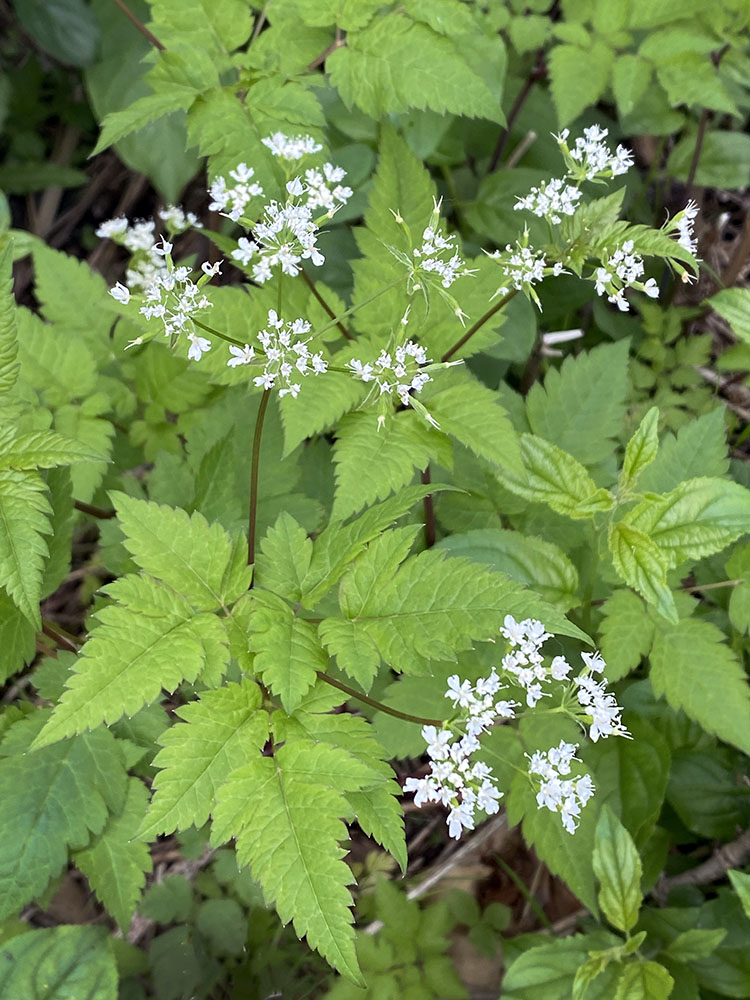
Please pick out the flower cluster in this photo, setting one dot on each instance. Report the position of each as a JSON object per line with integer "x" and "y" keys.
{"x": 623, "y": 269}
{"x": 438, "y": 255}
{"x": 551, "y": 200}
{"x": 454, "y": 780}
{"x": 232, "y": 201}
{"x": 324, "y": 189}
{"x": 557, "y": 792}
{"x": 291, "y": 147}
{"x": 684, "y": 222}
{"x": 285, "y": 355}
{"x": 146, "y": 263}
{"x": 400, "y": 372}
{"x": 599, "y": 705}
{"x": 591, "y": 157}
{"x": 285, "y": 236}
{"x": 522, "y": 267}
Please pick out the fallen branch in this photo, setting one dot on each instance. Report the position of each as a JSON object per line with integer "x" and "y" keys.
{"x": 731, "y": 855}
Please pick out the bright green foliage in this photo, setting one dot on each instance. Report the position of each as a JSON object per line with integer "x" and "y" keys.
{"x": 732, "y": 305}
{"x": 643, "y": 565}
{"x": 149, "y": 639}
{"x": 189, "y": 555}
{"x": 557, "y": 479}
{"x": 617, "y": 866}
{"x": 292, "y": 843}
{"x": 115, "y": 863}
{"x": 641, "y": 450}
{"x": 219, "y": 732}
{"x": 24, "y": 520}
{"x": 697, "y": 672}
{"x": 59, "y": 963}
{"x": 284, "y": 559}
{"x": 644, "y": 981}
{"x": 741, "y": 883}
{"x": 738, "y": 565}
{"x": 627, "y": 633}
{"x": 547, "y": 971}
{"x": 54, "y": 798}
{"x": 8, "y": 342}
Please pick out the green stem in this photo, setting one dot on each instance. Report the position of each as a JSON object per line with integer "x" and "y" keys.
{"x": 63, "y": 639}
{"x": 254, "y": 476}
{"x": 352, "y": 309}
{"x": 377, "y": 704}
{"x": 216, "y": 333}
{"x": 324, "y": 304}
{"x": 479, "y": 324}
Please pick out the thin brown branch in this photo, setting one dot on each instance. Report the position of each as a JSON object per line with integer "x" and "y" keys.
{"x": 58, "y": 635}
{"x": 731, "y": 855}
{"x": 139, "y": 25}
{"x": 479, "y": 324}
{"x": 319, "y": 60}
{"x": 324, "y": 304}
{"x": 366, "y": 700}
{"x": 103, "y": 514}
{"x": 538, "y": 72}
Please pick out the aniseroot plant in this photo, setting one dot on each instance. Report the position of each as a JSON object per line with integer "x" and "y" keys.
{"x": 266, "y": 632}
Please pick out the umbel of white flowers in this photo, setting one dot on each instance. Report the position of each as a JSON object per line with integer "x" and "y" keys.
{"x": 465, "y": 786}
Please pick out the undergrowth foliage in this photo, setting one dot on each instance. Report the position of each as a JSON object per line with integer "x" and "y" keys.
{"x": 334, "y": 537}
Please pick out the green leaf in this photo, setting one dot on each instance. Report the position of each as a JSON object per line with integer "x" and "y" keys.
{"x": 53, "y": 799}
{"x": 723, "y": 161}
{"x": 691, "y": 78}
{"x": 223, "y": 925}
{"x": 24, "y": 519}
{"x": 644, "y": 981}
{"x": 41, "y": 450}
{"x": 697, "y": 943}
{"x": 115, "y": 863}
{"x": 221, "y": 731}
{"x": 630, "y": 79}
{"x": 59, "y": 963}
{"x": 287, "y": 651}
{"x": 292, "y": 842}
{"x": 8, "y": 335}
{"x": 434, "y": 607}
{"x": 697, "y": 672}
{"x": 738, "y": 567}
{"x": 741, "y": 885}
{"x": 395, "y": 64}
{"x": 627, "y": 633}
{"x": 572, "y": 90}
{"x": 642, "y": 565}
{"x": 557, "y": 479}
{"x": 146, "y": 109}
{"x": 17, "y": 638}
{"x": 184, "y": 550}
{"x": 700, "y": 448}
{"x": 617, "y": 866}
{"x": 66, "y": 29}
{"x": 697, "y": 518}
{"x": 339, "y": 543}
{"x": 539, "y": 564}
{"x": 547, "y": 971}
{"x": 581, "y": 406}
{"x": 372, "y": 462}
{"x": 284, "y": 558}
{"x": 148, "y": 640}
{"x": 471, "y": 413}
{"x": 733, "y": 305}
{"x": 641, "y": 450}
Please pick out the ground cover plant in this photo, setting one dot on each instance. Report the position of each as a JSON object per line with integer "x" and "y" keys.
{"x": 374, "y": 495}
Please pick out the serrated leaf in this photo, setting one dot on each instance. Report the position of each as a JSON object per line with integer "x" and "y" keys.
{"x": 115, "y": 863}
{"x": 642, "y": 565}
{"x": 641, "y": 449}
{"x": 287, "y": 652}
{"x": 539, "y": 564}
{"x": 697, "y": 943}
{"x": 434, "y": 607}
{"x": 471, "y": 413}
{"x": 9, "y": 366}
{"x": 85, "y": 307}
{"x": 572, "y": 90}
{"x": 42, "y": 450}
{"x": 53, "y": 799}
{"x": 581, "y": 406}
{"x": 547, "y": 971}
{"x": 24, "y": 519}
{"x": 644, "y": 981}
{"x": 738, "y": 567}
{"x": 146, "y": 109}
{"x": 697, "y": 672}
{"x": 284, "y": 558}
{"x": 372, "y": 462}
{"x": 292, "y": 843}
{"x": 699, "y": 448}
{"x": 741, "y": 885}
{"x": 733, "y": 305}
{"x": 182, "y": 549}
{"x": 617, "y": 866}
{"x": 630, "y": 79}
{"x": 59, "y": 963}
{"x": 554, "y": 477}
{"x": 378, "y": 67}
{"x": 221, "y": 731}
{"x": 697, "y": 518}
{"x": 339, "y": 543}
{"x": 150, "y": 639}
{"x": 17, "y": 638}
{"x": 627, "y": 633}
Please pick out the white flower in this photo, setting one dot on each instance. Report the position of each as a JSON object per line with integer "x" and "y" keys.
{"x": 621, "y": 270}
{"x": 566, "y": 797}
{"x": 232, "y": 201}
{"x": 112, "y": 228}
{"x": 438, "y": 254}
{"x": 198, "y": 346}
{"x": 401, "y": 372}
{"x": 551, "y": 200}
{"x": 241, "y": 355}
{"x": 177, "y": 219}
{"x": 173, "y": 297}
{"x": 291, "y": 147}
{"x": 685, "y": 223}
{"x": 591, "y": 157}
{"x": 120, "y": 293}
{"x": 284, "y": 355}
{"x": 211, "y": 269}
{"x": 245, "y": 250}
